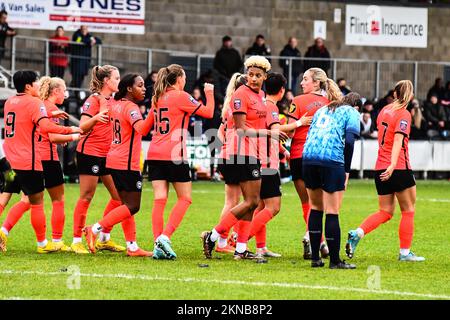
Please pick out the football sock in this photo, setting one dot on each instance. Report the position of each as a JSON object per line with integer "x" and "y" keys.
{"x": 15, "y": 213}
{"x": 226, "y": 223}
{"x": 42, "y": 243}
{"x": 214, "y": 235}
{"x": 129, "y": 229}
{"x": 177, "y": 214}
{"x": 306, "y": 207}
{"x": 373, "y": 221}
{"x": 38, "y": 221}
{"x": 259, "y": 221}
{"x": 112, "y": 204}
{"x": 79, "y": 217}
{"x": 404, "y": 252}
{"x": 58, "y": 218}
{"x": 244, "y": 231}
{"x": 260, "y": 237}
{"x": 119, "y": 214}
{"x": 315, "y": 232}
{"x": 158, "y": 217}
{"x": 333, "y": 236}
{"x": 406, "y": 229}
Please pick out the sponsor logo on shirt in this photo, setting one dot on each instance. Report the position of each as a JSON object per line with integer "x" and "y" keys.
{"x": 403, "y": 125}
{"x": 134, "y": 115}
{"x": 237, "y": 104}
{"x": 195, "y": 102}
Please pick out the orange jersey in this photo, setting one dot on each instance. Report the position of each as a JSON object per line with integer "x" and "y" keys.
{"x": 302, "y": 104}
{"x": 22, "y": 114}
{"x": 228, "y": 134}
{"x": 125, "y": 151}
{"x": 253, "y": 105}
{"x": 269, "y": 148}
{"x": 172, "y": 114}
{"x": 98, "y": 140}
{"x": 48, "y": 150}
{"x": 390, "y": 122}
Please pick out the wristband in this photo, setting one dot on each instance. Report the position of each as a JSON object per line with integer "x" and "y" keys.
{"x": 298, "y": 123}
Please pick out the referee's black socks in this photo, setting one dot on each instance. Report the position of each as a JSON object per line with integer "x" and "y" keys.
{"x": 315, "y": 232}
{"x": 333, "y": 236}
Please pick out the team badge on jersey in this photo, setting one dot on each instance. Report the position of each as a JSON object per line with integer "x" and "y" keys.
{"x": 256, "y": 173}
{"x": 134, "y": 115}
{"x": 275, "y": 116}
{"x": 403, "y": 125}
{"x": 194, "y": 101}
{"x": 139, "y": 185}
{"x": 237, "y": 104}
{"x": 292, "y": 108}
{"x": 95, "y": 169}
{"x": 43, "y": 111}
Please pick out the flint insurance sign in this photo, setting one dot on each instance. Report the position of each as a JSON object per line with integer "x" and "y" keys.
{"x": 386, "y": 26}
{"x": 112, "y": 16}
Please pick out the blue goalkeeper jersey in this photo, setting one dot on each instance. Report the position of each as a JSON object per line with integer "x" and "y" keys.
{"x": 326, "y": 137}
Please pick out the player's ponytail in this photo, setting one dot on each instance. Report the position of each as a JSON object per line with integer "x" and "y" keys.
{"x": 166, "y": 77}
{"x": 236, "y": 81}
{"x": 98, "y": 75}
{"x": 328, "y": 86}
{"x": 403, "y": 93}
{"x": 47, "y": 85}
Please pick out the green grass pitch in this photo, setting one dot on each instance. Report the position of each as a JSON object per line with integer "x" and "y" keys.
{"x": 24, "y": 274}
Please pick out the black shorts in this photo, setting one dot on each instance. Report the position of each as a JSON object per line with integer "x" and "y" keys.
{"x": 91, "y": 165}
{"x": 240, "y": 169}
{"x": 329, "y": 179}
{"x": 222, "y": 168}
{"x": 270, "y": 186}
{"x": 28, "y": 181}
{"x": 53, "y": 174}
{"x": 127, "y": 180}
{"x": 296, "y": 168}
{"x": 168, "y": 171}
{"x": 399, "y": 181}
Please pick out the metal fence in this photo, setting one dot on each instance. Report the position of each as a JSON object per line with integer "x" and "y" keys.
{"x": 371, "y": 78}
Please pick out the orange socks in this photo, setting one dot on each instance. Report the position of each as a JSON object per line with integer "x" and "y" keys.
{"x": 259, "y": 221}
{"x": 79, "y": 217}
{"x": 112, "y": 204}
{"x": 158, "y": 217}
{"x": 373, "y": 221}
{"x": 176, "y": 216}
{"x": 244, "y": 231}
{"x": 15, "y": 213}
{"x": 226, "y": 223}
{"x": 260, "y": 238}
{"x": 116, "y": 216}
{"x": 129, "y": 229}
{"x": 406, "y": 229}
{"x": 58, "y": 218}
{"x": 306, "y": 209}
{"x": 38, "y": 221}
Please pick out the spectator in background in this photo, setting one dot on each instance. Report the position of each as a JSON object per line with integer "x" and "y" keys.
{"x": 291, "y": 50}
{"x": 81, "y": 52}
{"x": 194, "y": 120}
{"x": 5, "y": 31}
{"x": 418, "y": 122}
{"x": 59, "y": 45}
{"x": 226, "y": 62}
{"x": 289, "y": 95}
{"x": 148, "y": 83}
{"x": 437, "y": 89}
{"x": 387, "y": 99}
{"x": 435, "y": 115}
{"x": 318, "y": 50}
{"x": 367, "y": 126}
{"x": 368, "y": 107}
{"x": 259, "y": 47}
{"x": 342, "y": 83}
{"x": 446, "y": 98}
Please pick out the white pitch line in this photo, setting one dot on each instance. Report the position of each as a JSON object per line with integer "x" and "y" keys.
{"x": 233, "y": 282}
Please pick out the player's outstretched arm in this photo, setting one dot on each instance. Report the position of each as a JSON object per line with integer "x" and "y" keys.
{"x": 207, "y": 112}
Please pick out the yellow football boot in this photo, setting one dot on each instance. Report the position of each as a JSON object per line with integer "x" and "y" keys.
{"x": 109, "y": 245}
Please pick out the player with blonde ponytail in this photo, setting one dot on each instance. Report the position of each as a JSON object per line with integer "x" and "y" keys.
{"x": 394, "y": 178}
